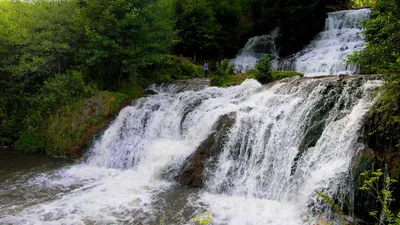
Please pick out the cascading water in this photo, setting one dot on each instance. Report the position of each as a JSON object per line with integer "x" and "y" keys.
{"x": 287, "y": 141}
{"x": 325, "y": 55}
{"x": 254, "y": 49}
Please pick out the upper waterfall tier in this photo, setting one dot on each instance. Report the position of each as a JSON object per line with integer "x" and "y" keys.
{"x": 325, "y": 55}
{"x": 254, "y": 48}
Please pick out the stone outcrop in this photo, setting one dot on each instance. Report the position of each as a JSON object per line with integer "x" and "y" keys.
{"x": 207, "y": 153}
{"x": 382, "y": 138}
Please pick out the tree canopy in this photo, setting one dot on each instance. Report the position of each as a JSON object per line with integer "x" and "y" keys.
{"x": 48, "y": 47}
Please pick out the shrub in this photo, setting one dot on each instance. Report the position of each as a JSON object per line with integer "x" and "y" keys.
{"x": 31, "y": 141}
{"x": 172, "y": 68}
{"x": 263, "y": 66}
{"x": 223, "y": 74}
{"x": 56, "y": 92}
{"x": 378, "y": 185}
{"x": 182, "y": 68}
{"x": 225, "y": 68}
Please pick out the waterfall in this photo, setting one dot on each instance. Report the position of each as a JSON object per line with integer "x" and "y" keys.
{"x": 287, "y": 141}
{"x": 254, "y": 49}
{"x": 325, "y": 55}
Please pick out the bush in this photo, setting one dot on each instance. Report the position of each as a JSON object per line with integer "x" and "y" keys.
{"x": 68, "y": 130}
{"x": 31, "y": 141}
{"x": 181, "y": 68}
{"x": 56, "y": 92}
{"x": 171, "y": 68}
{"x": 383, "y": 121}
{"x": 223, "y": 74}
{"x": 263, "y": 66}
{"x": 225, "y": 68}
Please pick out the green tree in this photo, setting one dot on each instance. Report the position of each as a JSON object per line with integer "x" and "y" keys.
{"x": 123, "y": 38}
{"x": 197, "y": 27}
{"x": 43, "y": 36}
{"x": 382, "y": 35}
{"x": 37, "y": 41}
{"x": 230, "y": 16}
{"x": 264, "y": 74}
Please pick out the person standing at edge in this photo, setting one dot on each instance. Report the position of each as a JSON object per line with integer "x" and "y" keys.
{"x": 205, "y": 69}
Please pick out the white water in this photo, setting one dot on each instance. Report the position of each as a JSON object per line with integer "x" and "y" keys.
{"x": 142, "y": 152}
{"x": 326, "y": 54}
{"x": 254, "y": 49}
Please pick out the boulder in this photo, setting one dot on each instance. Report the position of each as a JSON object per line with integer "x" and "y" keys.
{"x": 149, "y": 92}
{"x": 207, "y": 152}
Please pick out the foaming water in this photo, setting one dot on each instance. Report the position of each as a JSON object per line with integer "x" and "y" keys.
{"x": 325, "y": 55}
{"x": 288, "y": 141}
{"x": 238, "y": 210}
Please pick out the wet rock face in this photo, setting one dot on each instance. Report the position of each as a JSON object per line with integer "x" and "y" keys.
{"x": 369, "y": 159}
{"x": 382, "y": 139}
{"x": 148, "y": 93}
{"x": 382, "y": 136}
{"x": 195, "y": 84}
{"x": 365, "y": 160}
{"x": 207, "y": 153}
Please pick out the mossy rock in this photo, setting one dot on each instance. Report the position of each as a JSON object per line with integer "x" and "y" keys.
{"x": 71, "y": 129}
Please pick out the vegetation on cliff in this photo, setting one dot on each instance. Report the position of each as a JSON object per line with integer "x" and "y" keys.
{"x": 382, "y": 126}
{"x": 54, "y": 54}
{"x": 381, "y": 55}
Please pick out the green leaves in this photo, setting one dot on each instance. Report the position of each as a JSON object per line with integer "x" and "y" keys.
{"x": 124, "y": 37}
{"x": 379, "y": 187}
{"x": 197, "y": 25}
{"x": 381, "y": 55}
{"x": 263, "y": 66}
{"x": 210, "y": 29}
{"x": 223, "y": 74}
{"x": 383, "y": 38}
{"x": 362, "y": 3}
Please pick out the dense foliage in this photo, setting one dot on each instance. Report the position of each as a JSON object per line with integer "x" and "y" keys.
{"x": 362, "y": 3}
{"x": 381, "y": 55}
{"x": 208, "y": 28}
{"x": 55, "y": 53}
{"x": 224, "y": 71}
{"x": 263, "y": 66}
